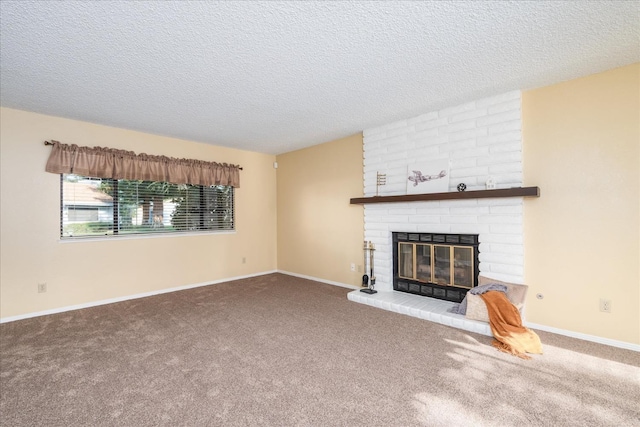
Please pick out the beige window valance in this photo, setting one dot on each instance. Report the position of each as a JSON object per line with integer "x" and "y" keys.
{"x": 99, "y": 162}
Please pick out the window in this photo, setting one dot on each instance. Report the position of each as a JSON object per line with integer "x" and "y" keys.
{"x": 92, "y": 207}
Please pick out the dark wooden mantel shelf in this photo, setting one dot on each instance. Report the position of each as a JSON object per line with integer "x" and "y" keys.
{"x": 478, "y": 194}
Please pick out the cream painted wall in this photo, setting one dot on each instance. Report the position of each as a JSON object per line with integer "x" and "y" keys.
{"x": 85, "y": 272}
{"x": 319, "y": 233}
{"x": 582, "y": 147}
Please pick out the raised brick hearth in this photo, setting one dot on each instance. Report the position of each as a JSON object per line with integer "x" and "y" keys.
{"x": 431, "y": 309}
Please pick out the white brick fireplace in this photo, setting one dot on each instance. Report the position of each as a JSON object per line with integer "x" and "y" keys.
{"x": 482, "y": 139}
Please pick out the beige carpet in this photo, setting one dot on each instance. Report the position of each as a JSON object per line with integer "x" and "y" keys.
{"x": 282, "y": 351}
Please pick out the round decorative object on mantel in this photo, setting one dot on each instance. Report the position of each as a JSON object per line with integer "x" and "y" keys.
{"x": 462, "y": 186}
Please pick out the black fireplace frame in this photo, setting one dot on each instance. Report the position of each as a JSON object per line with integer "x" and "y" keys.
{"x": 428, "y": 289}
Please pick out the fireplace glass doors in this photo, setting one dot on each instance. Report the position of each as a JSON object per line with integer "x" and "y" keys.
{"x": 442, "y": 266}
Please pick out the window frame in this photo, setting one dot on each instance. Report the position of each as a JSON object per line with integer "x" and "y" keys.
{"x": 116, "y": 231}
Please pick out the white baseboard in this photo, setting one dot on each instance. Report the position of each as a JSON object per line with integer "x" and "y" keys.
{"x": 317, "y": 279}
{"x": 585, "y": 337}
{"x": 578, "y": 335}
{"x": 126, "y": 298}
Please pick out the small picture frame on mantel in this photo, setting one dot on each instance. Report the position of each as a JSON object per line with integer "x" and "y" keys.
{"x": 431, "y": 176}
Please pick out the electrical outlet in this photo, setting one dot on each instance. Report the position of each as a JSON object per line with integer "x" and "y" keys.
{"x": 353, "y": 266}
{"x": 244, "y": 260}
{"x": 42, "y": 288}
{"x": 605, "y": 305}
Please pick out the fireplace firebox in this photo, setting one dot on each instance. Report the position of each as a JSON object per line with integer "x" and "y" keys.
{"x": 436, "y": 265}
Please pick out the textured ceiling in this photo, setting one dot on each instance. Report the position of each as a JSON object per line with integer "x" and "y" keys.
{"x": 277, "y": 76}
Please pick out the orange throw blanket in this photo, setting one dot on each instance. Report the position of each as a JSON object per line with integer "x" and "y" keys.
{"x": 506, "y": 326}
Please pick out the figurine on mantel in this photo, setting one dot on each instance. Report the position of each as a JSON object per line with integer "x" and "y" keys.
{"x": 381, "y": 179}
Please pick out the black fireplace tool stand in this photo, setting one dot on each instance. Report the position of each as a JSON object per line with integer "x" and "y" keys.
{"x": 368, "y": 281}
